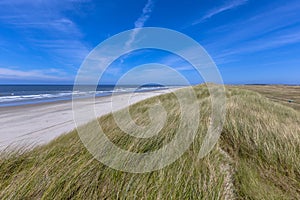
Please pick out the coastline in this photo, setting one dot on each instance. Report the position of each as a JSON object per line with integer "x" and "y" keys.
{"x": 36, "y": 124}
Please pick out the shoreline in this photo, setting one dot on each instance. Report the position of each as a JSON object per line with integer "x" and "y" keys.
{"x": 81, "y": 98}
{"x": 27, "y": 126}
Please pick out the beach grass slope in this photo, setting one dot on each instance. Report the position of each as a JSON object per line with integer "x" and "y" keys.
{"x": 257, "y": 157}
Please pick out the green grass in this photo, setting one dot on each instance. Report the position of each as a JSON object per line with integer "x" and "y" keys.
{"x": 260, "y": 138}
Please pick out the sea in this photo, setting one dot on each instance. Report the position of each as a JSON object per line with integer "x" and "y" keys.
{"x": 16, "y": 95}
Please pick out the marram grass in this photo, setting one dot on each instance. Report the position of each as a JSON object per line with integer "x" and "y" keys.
{"x": 257, "y": 157}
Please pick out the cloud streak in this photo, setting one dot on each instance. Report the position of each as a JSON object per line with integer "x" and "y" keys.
{"x": 265, "y": 44}
{"x": 49, "y": 74}
{"x": 140, "y": 22}
{"x": 216, "y": 11}
{"x": 33, "y": 19}
{"x": 276, "y": 26}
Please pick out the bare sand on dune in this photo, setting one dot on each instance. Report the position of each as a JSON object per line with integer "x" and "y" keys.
{"x": 31, "y": 125}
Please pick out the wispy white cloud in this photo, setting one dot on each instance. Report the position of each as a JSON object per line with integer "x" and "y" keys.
{"x": 273, "y": 18}
{"x": 223, "y": 8}
{"x": 49, "y": 74}
{"x": 34, "y": 19}
{"x": 140, "y": 22}
{"x": 147, "y": 10}
{"x": 271, "y": 26}
{"x": 153, "y": 73}
{"x": 264, "y": 43}
{"x": 176, "y": 63}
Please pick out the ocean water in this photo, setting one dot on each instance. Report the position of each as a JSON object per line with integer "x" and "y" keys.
{"x": 15, "y": 95}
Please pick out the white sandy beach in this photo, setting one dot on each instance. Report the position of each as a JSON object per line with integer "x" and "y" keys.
{"x": 30, "y": 125}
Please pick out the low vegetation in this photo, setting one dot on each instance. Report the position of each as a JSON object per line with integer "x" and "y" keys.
{"x": 288, "y": 95}
{"x": 257, "y": 157}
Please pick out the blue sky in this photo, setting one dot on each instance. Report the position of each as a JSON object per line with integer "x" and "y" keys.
{"x": 251, "y": 41}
